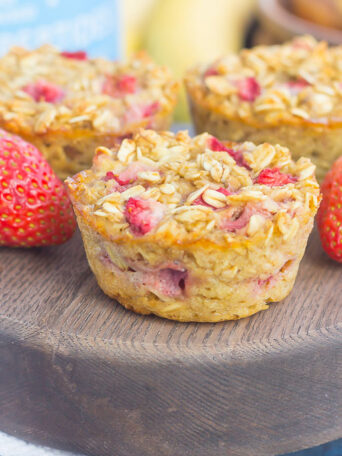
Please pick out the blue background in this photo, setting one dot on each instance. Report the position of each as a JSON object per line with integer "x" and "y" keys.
{"x": 89, "y": 25}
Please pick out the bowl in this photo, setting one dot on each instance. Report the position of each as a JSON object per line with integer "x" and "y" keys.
{"x": 281, "y": 24}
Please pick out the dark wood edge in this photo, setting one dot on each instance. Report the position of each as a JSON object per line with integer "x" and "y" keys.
{"x": 35, "y": 336}
{"x": 208, "y": 367}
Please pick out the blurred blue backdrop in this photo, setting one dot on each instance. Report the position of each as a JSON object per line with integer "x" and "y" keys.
{"x": 70, "y": 25}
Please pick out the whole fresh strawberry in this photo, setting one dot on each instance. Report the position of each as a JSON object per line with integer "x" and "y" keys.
{"x": 34, "y": 207}
{"x": 329, "y": 217}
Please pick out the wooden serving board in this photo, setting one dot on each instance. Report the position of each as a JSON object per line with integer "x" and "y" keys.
{"x": 79, "y": 372}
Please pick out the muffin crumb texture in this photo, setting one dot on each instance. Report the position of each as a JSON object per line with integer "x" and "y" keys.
{"x": 194, "y": 229}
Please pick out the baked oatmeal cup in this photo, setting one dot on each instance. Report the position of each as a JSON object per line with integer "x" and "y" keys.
{"x": 194, "y": 229}
{"x": 66, "y": 104}
{"x": 288, "y": 94}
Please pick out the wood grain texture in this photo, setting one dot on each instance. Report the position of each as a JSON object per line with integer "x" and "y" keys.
{"x": 79, "y": 372}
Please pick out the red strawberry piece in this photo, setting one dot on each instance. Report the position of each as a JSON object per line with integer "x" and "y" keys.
{"x": 125, "y": 178}
{"x": 172, "y": 282}
{"x": 329, "y": 217}
{"x": 238, "y": 157}
{"x": 44, "y": 91}
{"x": 224, "y": 191}
{"x": 237, "y": 221}
{"x": 248, "y": 89}
{"x": 168, "y": 282}
{"x": 136, "y": 113}
{"x": 34, "y": 207}
{"x": 297, "y": 85}
{"x": 211, "y": 71}
{"x": 76, "y": 55}
{"x": 150, "y": 109}
{"x": 143, "y": 215}
{"x": 119, "y": 86}
{"x": 240, "y": 221}
{"x": 273, "y": 177}
{"x": 128, "y": 175}
{"x": 217, "y": 146}
{"x": 109, "y": 176}
{"x": 127, "y": 84}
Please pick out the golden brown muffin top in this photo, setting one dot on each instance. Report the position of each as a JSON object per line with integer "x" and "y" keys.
{"x": 299, "y": 81}
{"x": 173, "y": 188}
{"x": 46, "y": 89}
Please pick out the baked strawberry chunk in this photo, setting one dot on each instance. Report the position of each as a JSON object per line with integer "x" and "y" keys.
{"x": 109, "y": 176}
{"x": 143, "y": 215}
{"x": 116, "y": 187}
{"x": 119, "y": 86}
{"x": 297, "y": 85}
{"x": 128, "y": 175}
{"x": 167, "y": 282}
{"x": 127, "y": 84}
{"x": 76, "y": 55}
{"x": 211, "y": 71}
{"x": 273, "y": 177}
{"x": 224, "y": 191}
{"x": 44, "y": 91}
{"x": 150, "y": 109}
{"x": 238, "y": 222}
{"x": 248, "y": 89}
{"x": 238, "y": 219}
{"x": 217, "y": 146}
{"x": 137, "y": 113}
